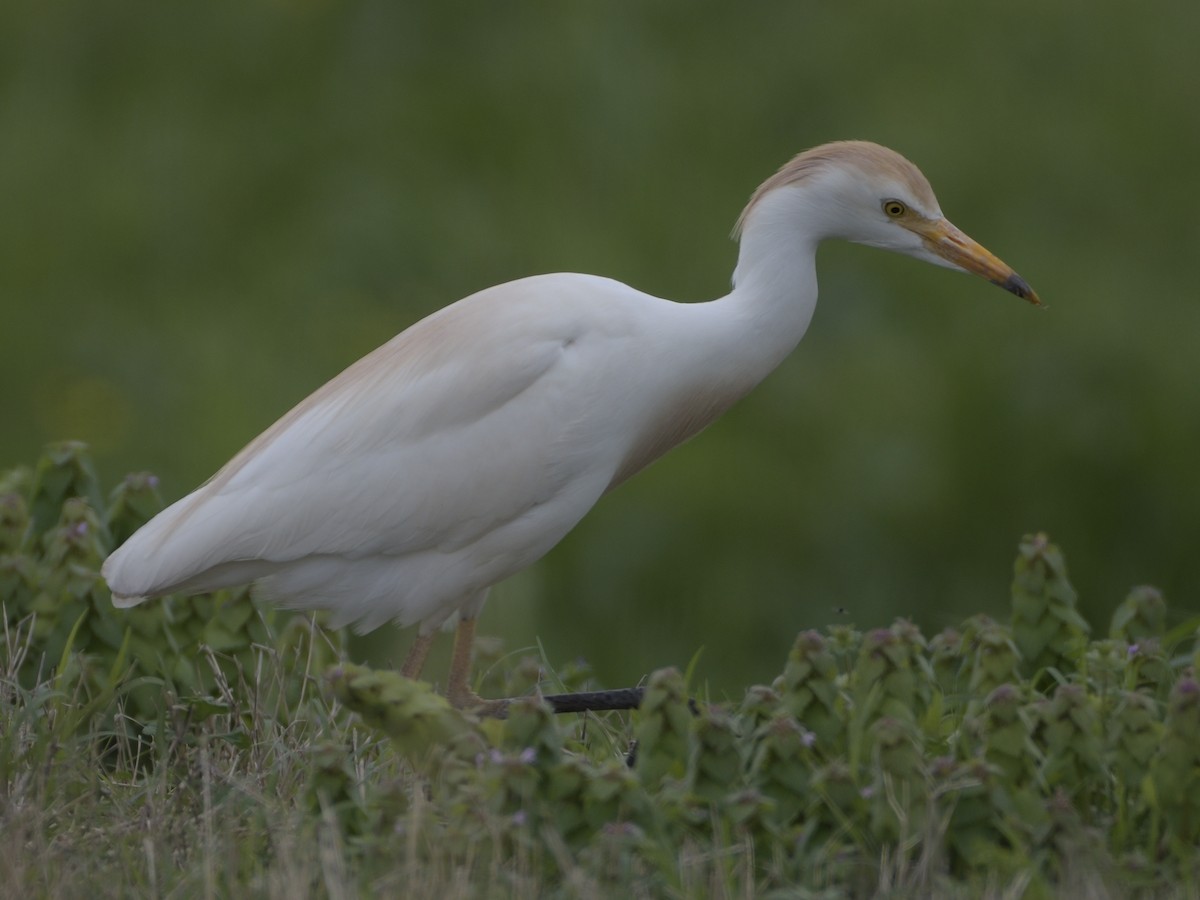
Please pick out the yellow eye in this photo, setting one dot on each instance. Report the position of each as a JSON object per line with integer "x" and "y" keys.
{"x": 894, "y": 208}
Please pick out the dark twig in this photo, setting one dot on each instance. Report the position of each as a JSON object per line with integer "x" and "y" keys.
{"x": 590, "y": 701}
{"x": 595, "y": 701}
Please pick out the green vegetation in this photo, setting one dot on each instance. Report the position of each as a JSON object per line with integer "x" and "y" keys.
{"x": 205, "y": 747}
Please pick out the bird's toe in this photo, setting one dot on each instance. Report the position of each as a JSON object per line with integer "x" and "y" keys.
{"x": 468, "y": 701}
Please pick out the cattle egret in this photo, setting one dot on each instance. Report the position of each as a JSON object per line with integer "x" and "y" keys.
{"x": 462, "y": 450}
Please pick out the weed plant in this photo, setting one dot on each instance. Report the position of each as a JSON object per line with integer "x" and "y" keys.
{"x": 207, "y": 747}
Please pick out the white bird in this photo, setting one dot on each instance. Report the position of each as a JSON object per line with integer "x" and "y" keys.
{"x": 465, "y": 448}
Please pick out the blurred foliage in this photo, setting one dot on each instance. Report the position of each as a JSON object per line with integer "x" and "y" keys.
{"x": 132, "y": 667}
{"x": 1018, "y": 758}
{"x": 937, "y": 786}
{"x": 196, "y": 199}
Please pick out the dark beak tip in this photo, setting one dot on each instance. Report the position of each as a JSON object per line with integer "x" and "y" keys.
{"x": 1015, "y": 284}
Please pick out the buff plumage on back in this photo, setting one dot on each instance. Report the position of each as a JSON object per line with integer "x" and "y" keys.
{"x": 864, "y": 156}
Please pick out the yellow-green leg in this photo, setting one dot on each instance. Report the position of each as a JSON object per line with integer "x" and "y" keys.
{"x": 415, "y": 661}
{"x": 458, "y": 689}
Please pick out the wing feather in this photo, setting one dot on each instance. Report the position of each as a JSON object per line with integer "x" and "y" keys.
{"x": 451, "y": 457}
{"x": 390, "y": 457}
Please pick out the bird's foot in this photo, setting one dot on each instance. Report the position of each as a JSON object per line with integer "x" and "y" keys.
{"x": 467, "y": 700}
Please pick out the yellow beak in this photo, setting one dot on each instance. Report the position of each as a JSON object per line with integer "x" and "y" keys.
{"x": 944, "y": 239}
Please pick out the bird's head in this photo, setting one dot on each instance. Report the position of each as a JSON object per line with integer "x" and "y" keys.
{"x": 868, "y": 194}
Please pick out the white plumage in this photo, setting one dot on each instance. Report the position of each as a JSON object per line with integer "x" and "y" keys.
{"x": 466, "y": 447}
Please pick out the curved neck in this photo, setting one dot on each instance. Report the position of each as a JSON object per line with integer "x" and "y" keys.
{"x": 775, "y": 282}
{"x": 732, "y": 343}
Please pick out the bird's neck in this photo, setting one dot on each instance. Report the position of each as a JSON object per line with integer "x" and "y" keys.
{"x": 774, "y": 295}
{"x": 732, "y": 344}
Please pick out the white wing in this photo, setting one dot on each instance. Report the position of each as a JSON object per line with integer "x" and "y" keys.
{"x": 447, "y": 459}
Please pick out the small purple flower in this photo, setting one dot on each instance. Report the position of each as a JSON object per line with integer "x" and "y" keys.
{"x": 496, "y": 757}
{"x": 518, "y": 818}
{"x": 152, "y": 481}
{"x": 867, "y": 793}
{"x": 808, "y": 739}
{"x": 528, "y": 755}
{"x": 79, "y": 529}
{"x": 1134, "y": 649}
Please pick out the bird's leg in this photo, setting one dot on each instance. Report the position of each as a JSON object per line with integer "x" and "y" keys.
{"x": 415, "y": 661}
{"x": 458, "y": 689}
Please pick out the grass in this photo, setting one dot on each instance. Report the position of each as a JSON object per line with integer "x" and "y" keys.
{"x": 205, "y": 747}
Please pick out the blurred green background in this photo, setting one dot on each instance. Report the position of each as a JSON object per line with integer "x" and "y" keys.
{"x": 207, "y": 210}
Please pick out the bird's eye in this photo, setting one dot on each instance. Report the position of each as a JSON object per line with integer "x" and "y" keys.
{"x": 894, "y": 208}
